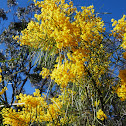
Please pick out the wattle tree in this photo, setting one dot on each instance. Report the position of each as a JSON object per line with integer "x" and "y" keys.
{"x": 78, "y": 56}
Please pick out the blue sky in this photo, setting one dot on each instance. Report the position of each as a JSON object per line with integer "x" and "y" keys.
{"x": 116, "y": 7}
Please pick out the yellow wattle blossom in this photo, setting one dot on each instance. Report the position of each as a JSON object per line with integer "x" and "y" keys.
{"x": 53, "y": 24}
{"x": 101, "y": 115}
{"x": 124, "y": 55}
{"x": 121, "y": 91}
{"x": 112, "y": 20}
{"x": 45, "y": 72}
{"x": 54, "y": 29}
{"x": 71, "y": 70}
{"x": 96, "y": 103}
{"x": 64, "y": 120}
{"x": 0, "y": 70}
{"x": 3, "y": 90}
{"x": 34, "y": 109}
{"x": 122, "y": 75}
{"x": 119, "y": 30}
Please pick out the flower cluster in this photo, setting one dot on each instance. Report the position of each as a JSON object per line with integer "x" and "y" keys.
{"x": 3, "y": 90}
{"x": 45, "y": 73}
{"x": 119, "y": 30}
{"x": 101, "y": 115}
{"x": 71, "y": 69}
{"x": 54, "y": 28}
{"x": 96, "y": 103}
{"x": 34, "y": 109}
{"x": 121, "y": 90}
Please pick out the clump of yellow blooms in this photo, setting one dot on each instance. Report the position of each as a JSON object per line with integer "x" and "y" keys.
{"x": 71, "y": 68}
{"x": 90, "y": 25}
{"x": 119, "y": 30}
{"x": 101, "y": 115}
{"x": 13, "y": 118}
{"x": 121, "y": 90}
{"x": 98, "y": 62}
{"x": 96, "y": 103}
{"x": 0, "y": 70}
{"x": 3, "y": 90}
{"x": 56, "y": 29}
{"x": 122, "y": 75}
{"x": 45, "y": 73}
{"x": 53, "y": 27}
{"x": 34, "y": 109}
{"x": 124, "y": 55}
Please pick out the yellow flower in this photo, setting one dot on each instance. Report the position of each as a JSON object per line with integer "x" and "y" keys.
{"x": 112, "y": 20}
{"x": 96, "y": 103}
{"x": 101, "y": 115}
{"x": 124, "y": 55}
{"x": 114, "y": 23}
{"x": 121, "y": 91}
{"x": 0, "y": 78}
{"x": 0, "y": 70}
{"x": 45, "y": 73}
{"x": 3, "y": 90}
{"x": 122, "y": 75}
